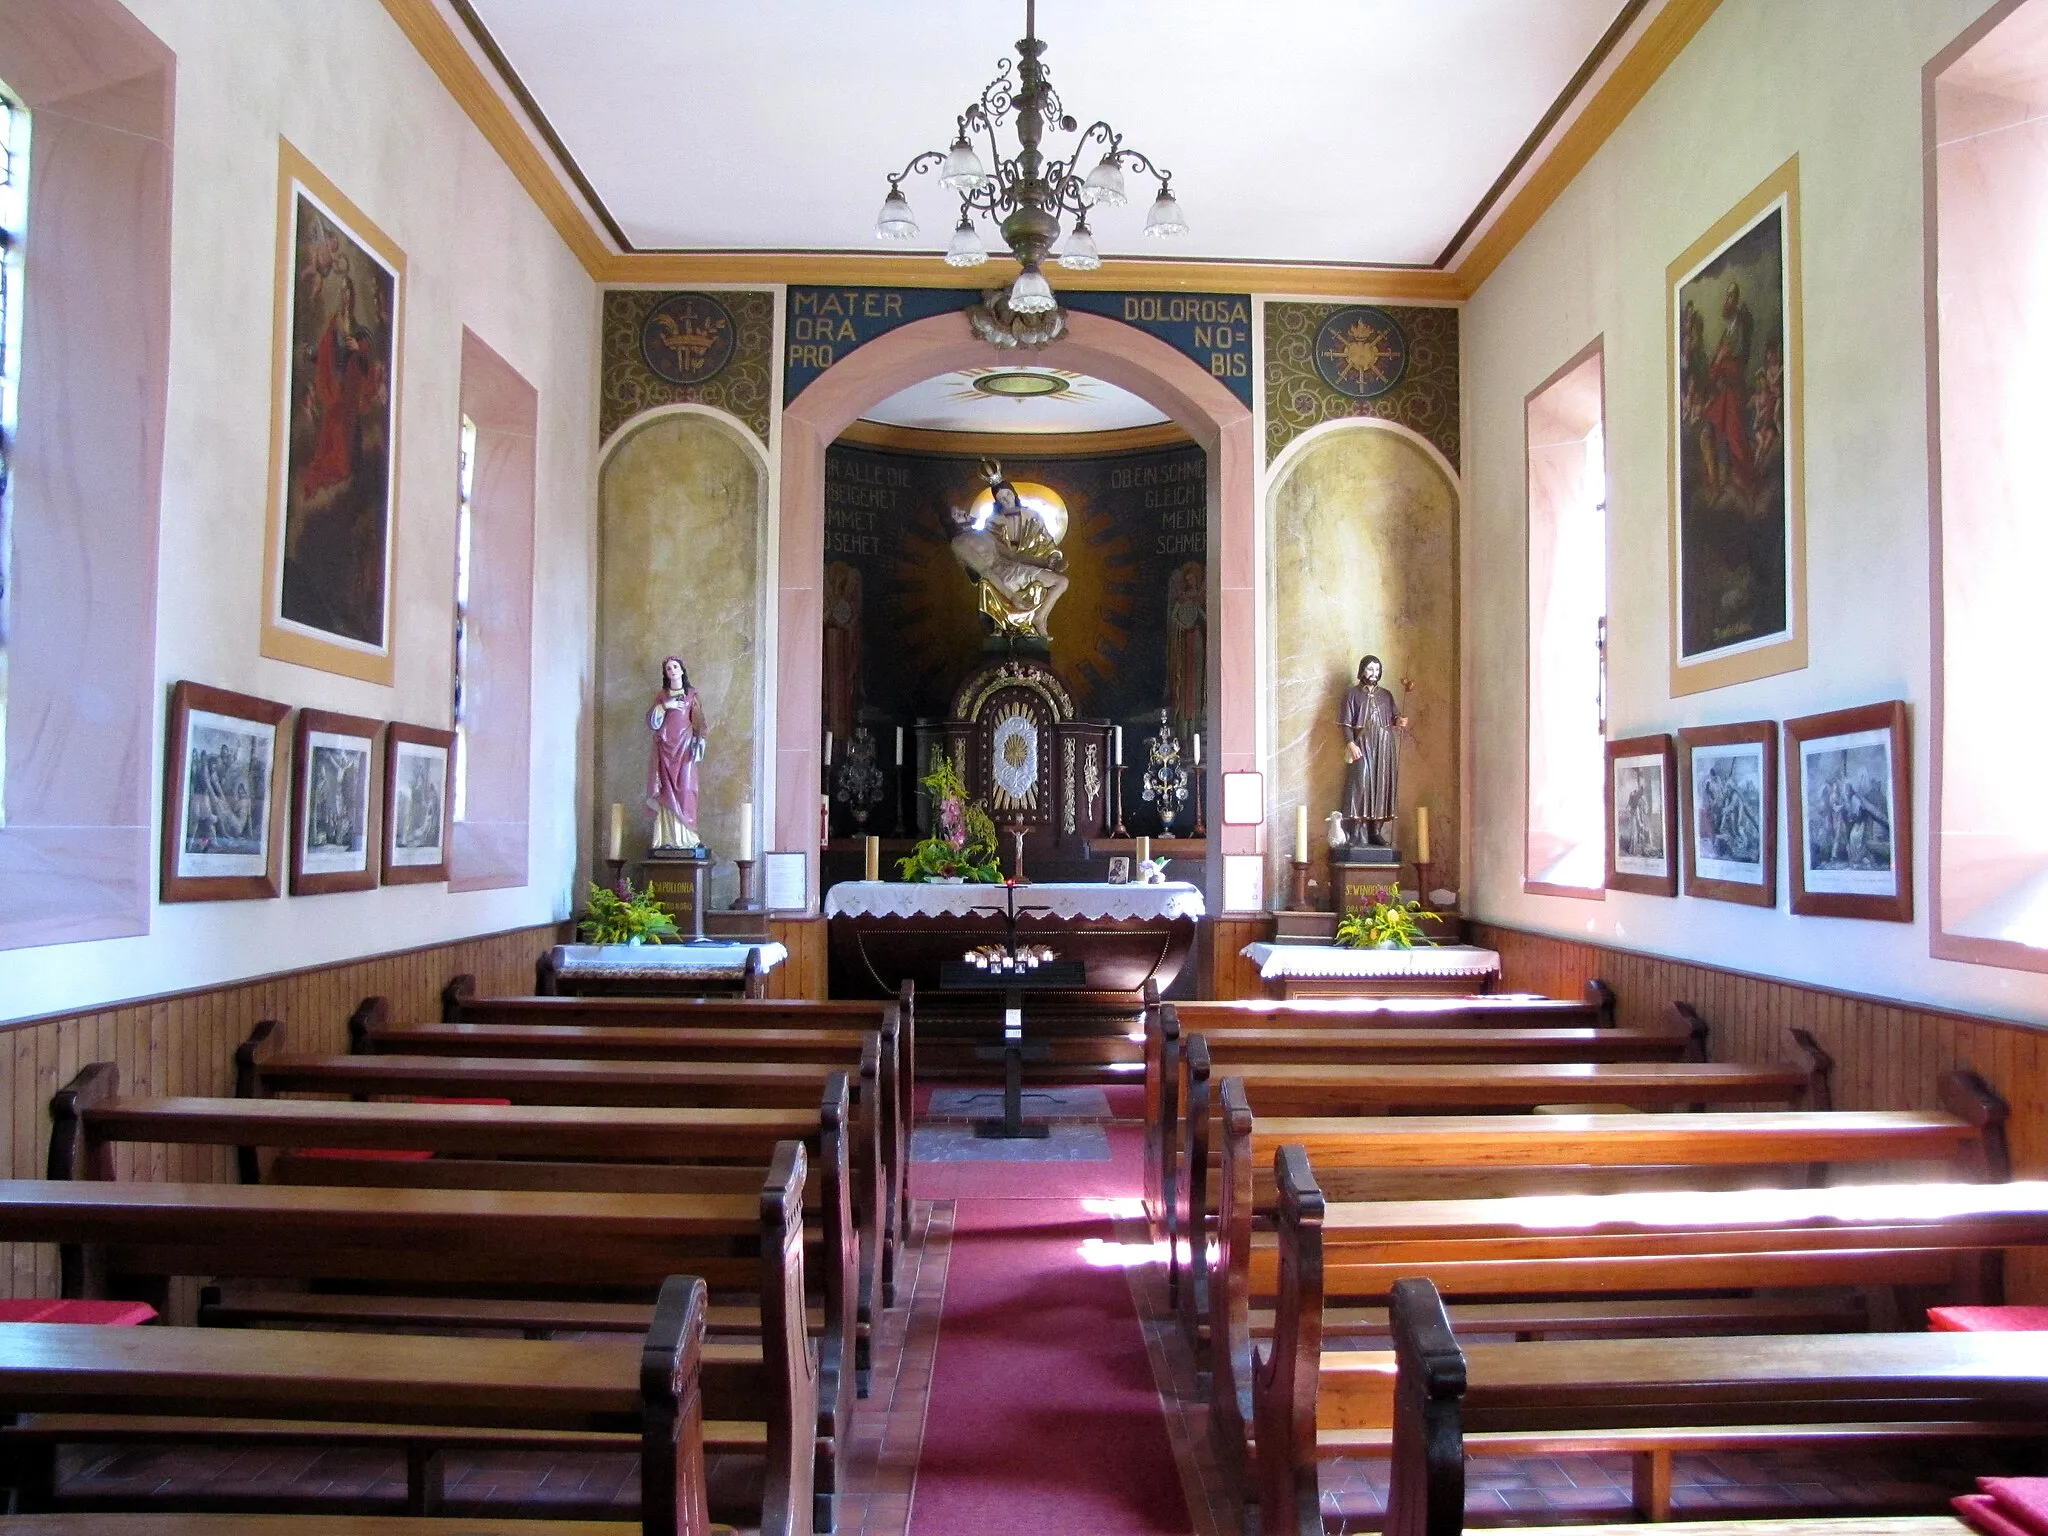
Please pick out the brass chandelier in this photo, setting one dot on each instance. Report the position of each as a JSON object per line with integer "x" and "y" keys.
{"x": 1027, "y": 196}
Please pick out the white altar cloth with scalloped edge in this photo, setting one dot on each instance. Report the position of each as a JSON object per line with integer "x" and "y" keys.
{"x": 1282, "y": 962}
{"x": 1092, "y": 900}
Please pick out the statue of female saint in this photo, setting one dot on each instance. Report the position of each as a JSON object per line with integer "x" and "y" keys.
{"x": 677, "y": 721}
{"x": 1370, "y": 782}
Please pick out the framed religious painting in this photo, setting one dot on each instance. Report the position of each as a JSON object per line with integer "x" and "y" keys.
{"x": 1728, "y": 811}
{"x": 1738, "y": 520}
{"x": 224, "y": 782}
{"x": 419, "y": 803}
{"x": 1642, "y": 816}
{"x": 329, "y": 541}
{"x": 337, "y": 788}
{"x": 1849, "y": 778}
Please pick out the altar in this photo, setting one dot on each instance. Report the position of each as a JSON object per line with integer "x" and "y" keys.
{"x": 1327, "y": 970}
{"x": 883, "y": 933}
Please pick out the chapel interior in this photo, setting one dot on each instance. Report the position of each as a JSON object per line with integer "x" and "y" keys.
{"x": 935, "y": 770}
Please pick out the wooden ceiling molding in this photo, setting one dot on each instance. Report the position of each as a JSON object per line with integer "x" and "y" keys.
{"x": 1572, "y": 141}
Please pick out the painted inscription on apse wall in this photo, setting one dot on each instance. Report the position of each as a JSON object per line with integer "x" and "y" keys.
{"x": 825, "y": 324}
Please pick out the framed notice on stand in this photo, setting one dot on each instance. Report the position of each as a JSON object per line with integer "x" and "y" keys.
{"x": 786, "y": 881}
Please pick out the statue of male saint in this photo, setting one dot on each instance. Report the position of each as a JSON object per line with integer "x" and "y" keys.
{"x": 677, "y": 723}
{"x": 1370, "y": 720}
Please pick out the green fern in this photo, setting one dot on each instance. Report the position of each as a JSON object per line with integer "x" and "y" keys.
{"x": 1386, "y": 920}
{"x": 635, "y": 917}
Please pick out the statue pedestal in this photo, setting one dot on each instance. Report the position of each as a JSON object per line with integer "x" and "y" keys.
{"x": 676, "y": 877}
{"x": 1355, "y": 872}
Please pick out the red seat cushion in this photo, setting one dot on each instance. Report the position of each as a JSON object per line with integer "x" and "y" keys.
{"x": 126, "y": 1314}
{"x": 391, "y": 1154}
{"x": 1988, "y": 1319}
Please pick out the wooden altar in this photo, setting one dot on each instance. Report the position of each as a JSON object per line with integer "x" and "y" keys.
{"x": 882, "y": 933}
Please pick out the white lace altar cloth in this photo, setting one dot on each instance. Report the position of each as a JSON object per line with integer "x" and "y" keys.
{"x": 1285, "y": 961}
{"x": 634, "y": 962}
{"x": 1083, "y": 899}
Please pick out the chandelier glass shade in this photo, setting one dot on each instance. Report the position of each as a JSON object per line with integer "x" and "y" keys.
{"x": 1032, "y": 200}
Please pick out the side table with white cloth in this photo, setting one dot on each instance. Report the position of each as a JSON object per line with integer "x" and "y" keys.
{"x": 658, "y": 970}
{"x": 1325, "y": 970}
{"x": 884, "y": 932}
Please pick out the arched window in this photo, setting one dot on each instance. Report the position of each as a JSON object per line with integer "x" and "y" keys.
{"x": 1565, "y": 854}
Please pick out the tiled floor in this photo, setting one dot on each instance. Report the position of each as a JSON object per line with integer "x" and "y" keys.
{"x": 881, "y": 1463}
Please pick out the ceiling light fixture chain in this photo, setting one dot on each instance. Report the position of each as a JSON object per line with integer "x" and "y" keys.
{"x": 1027, "y": 196}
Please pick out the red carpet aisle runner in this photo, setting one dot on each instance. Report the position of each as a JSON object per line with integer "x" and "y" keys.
{"x": 1043, "y": 1415}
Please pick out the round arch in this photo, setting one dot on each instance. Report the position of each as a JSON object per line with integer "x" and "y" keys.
{"x": 1202, "y": 405}
{"x": 632, "y": 425}
{"x": 1277, "y": 470}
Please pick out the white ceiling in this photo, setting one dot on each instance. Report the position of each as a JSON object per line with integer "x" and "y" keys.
{"x": 1297, "y": 130}
{"x": 951, "y": 403}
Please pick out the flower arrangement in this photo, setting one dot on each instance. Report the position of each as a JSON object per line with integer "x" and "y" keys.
{"x": 1386, "y": 922}
{"x": 963, "y": 841}
{"x": 634, "y": 918}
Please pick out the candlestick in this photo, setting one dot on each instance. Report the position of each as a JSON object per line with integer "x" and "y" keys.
{"x": 1422, "y": 834}
{"x": 746, "y": 832}
{"x": 828, "y": 749}
{"x": 1422, "y": 885}
{"x": 746, "y": 903}
{"x": 1301, "y": 834}
{"x": 824, "y": 820}
{"x": 617, "y": 844}
{"x": 619, "y": 884}
{"x": 873, "y": 848}
{"x": 1298, "y": 896}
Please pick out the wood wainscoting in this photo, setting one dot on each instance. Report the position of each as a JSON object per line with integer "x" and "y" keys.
{"x": 184, "y": 1043}
{"x": 1888, "y": 1055}
{"x": 1226, "y": 974}
{"x": 803, "y": 974}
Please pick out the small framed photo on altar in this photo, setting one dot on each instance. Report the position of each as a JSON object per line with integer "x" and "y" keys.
{"x": 1728, "y": 810}
{"x": 1848, "y": 776}
{"x": 419, "y": 803}
{"x": 1120, "y": 869}
{"x": 224, "y": 786}
{"x": 336, "y": 792}
{"x": 1642, "y": 816}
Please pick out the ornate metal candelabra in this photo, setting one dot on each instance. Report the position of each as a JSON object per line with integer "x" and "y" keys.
{"x": 858, "y": 783}
{"x": 1165, "y": 780}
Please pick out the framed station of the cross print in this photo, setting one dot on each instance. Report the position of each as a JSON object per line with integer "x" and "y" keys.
{"x": 224, "y": 762}
{"x": 1642, "y": 816}
{"x": 336, "y": 791}
{"x": 1728, "y": 809}
{"x": 1738, "y": 520}
{"x": 1849, "y": 777}
{"x": 419, "y": 803}
{"x": 329, "y": 541}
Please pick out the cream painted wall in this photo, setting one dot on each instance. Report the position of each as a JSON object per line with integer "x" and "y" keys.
{"x": 341, "y": 82}
{"x": 1837, "y": 82}
{"x": 683, "y": 511}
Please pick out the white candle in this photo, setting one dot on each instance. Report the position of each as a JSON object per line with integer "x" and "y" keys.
{"x": 1422, "y": 834}
{"x": 899, "y": 746}
{"x": 1301, "y": 834}
{"x": 828, "y": 749}
{"x": 618, "y": 839}
{"x": 1118, "y": 758}
{"x": 874, "y": 858}
{"x": 1198, "y": 749}
{"x": 747, "y": 830}
{"x": 1144, "y": 849}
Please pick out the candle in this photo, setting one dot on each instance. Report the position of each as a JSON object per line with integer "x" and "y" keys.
{"x": 1198, "y": 749}
{"x": 828, "y": 749}
{"x": 874, "y": 852}
{"x": 1301, "y": 834}
{"x": 1118, "y": 757}
{"x": 746, "y": 831}
{"x": 1144, "y": 849}
{"x": 899, "y": 746}
{"x": 1422, "y": 834}
{"x": 618, "y": 841}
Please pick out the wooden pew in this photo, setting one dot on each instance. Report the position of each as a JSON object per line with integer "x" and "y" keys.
{"x": 1419, "y": 1029}
{"x": 262, "y": 1069}
{"x": 654, "y": 1389}
{"x": 117, "y": 1238}
{"x": 1450, "y": 1399}
{"x": 1290, "y": 1088}
{"x": 547, "y": 1147}
{"x": 373, "y": 1031}
{"x": 460, "y": 1004}
{"x": 1459, "y": 1156}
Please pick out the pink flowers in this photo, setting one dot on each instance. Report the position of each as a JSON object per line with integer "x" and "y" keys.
{"x": 953, "y": 821}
